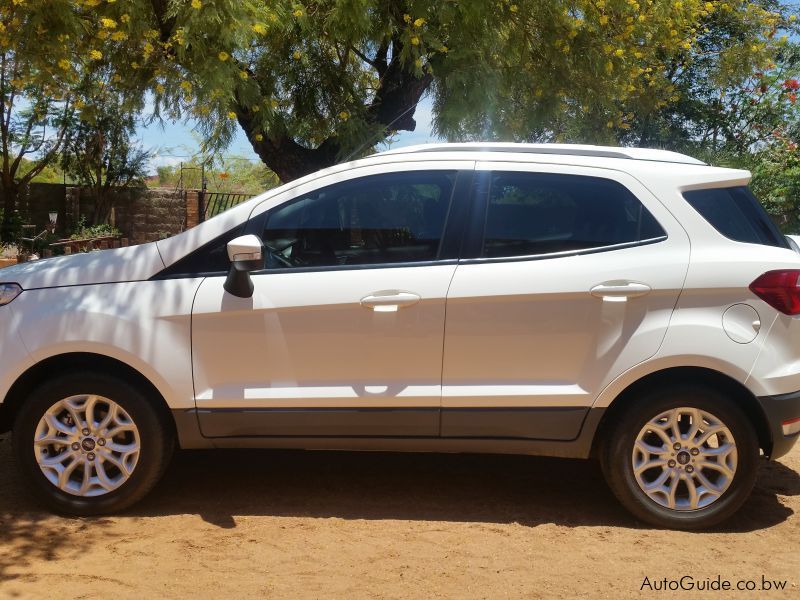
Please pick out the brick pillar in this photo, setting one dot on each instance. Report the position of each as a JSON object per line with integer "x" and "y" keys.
{"x": 192, "y": 208}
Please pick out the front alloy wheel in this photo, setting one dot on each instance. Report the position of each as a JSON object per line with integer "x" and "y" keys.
{"x": 89, "y": 443}
{"x": 683, "y": 457}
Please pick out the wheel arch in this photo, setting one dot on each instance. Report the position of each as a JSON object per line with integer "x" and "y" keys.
{"x": 54, "y": 366}
{"x": 733, "y": 389}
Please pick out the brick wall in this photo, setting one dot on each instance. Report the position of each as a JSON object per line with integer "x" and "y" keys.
{"x": 141, "y": 214}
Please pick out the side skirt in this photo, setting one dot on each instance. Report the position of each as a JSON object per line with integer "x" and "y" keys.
{"x": 190, "y": 437}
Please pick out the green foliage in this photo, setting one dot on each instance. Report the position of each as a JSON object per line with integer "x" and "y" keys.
{"x": 83, "y": 231}
{"x": 232, "y": 174}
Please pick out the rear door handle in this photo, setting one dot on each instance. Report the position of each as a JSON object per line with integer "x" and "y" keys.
{"x": 389, "y": 300}
{"x": 620, "y": 290}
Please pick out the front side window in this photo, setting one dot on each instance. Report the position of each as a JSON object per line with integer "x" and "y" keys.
{"x": 542, "y": 213}
{"x": 394, "y": 218}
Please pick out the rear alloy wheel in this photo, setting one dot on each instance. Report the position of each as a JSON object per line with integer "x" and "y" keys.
{"x": 91, "y": 444}
{"x": 684, "y": 458}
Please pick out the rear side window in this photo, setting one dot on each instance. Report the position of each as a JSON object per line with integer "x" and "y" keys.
{"x": 737, "y": 214}
{"x": 542, "y": 213}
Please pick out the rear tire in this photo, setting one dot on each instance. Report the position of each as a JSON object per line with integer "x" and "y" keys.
{"x": 88, "y": 443}
{"x": 684, "y": 457}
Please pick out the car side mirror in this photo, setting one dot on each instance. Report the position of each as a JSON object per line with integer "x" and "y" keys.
{"x": 246, "y": 254}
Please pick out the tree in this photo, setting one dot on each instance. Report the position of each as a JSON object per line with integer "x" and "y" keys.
{"x": 99, "y": 153}
{"x": 33, "y": 115}
{"x": 312, "y": 83}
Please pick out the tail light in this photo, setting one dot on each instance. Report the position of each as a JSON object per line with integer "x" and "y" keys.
{"x": 780, "y": 290}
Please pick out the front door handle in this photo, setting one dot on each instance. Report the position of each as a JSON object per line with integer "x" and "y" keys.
{"x": 620, "y": 290}
{"x": 389, "y": 300}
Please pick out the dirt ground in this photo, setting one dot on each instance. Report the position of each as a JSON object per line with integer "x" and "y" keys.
{"x": 351, "y": 525}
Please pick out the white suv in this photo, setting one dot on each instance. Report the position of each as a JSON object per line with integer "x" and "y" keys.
{"x": 629, "y": 304}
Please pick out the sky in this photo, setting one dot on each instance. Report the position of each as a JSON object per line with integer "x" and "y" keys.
{"x": 173, "y": 143}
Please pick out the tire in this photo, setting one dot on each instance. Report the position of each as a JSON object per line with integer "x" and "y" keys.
{"x": 689, "y": 464}
{"x": 128, "y": 473}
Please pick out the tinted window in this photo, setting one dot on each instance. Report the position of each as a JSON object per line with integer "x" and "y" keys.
{"x": 380, "y": 219}
{"x": 737, "y": 215}
{"x": 539, "y": 213}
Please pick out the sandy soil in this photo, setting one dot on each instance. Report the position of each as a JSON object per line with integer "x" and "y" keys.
{"x": 338, "y": 525}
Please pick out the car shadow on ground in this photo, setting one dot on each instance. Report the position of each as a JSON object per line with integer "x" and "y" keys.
{"x": 222, "y": 484}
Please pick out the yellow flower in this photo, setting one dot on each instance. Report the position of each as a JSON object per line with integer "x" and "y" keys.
{"x": 407, "y": 18}
{"x": 610, "y": 124}
{"x": 95, "y": 54}
{"x": 118, "y": 36}
{"x": 419, "y": 22}
{"x": 79, "y": 104}
{"x": 125, "y": 18}
{"x": 418, "y": 62}
{"x": 243, "y": 75}
{"x": 638, "y": 54}
{"x": 709, "y": 7}
{"x": 513, "y": 8}
{"x": 687, "y": 45}
{"x": 231, "y": 114}
{"x": 148, "y": 48}
{"x": 135, "y": 65}
{"x": 108, "y": 23}
{"x": 197, "y": 4}
{"x": 223, "y": 56}
{"x": 415, "y": 41}
{"x": 792, "y": 18}
{"x": 256, "y": 108}
{"x": 673, "y": 33}
{"x": 258, "y": 137}
{"x": 102, "y": 34}
{"x": 601, "y": 3}
{"x": 160, "y": 89}
{"x": 298, "y": 12}
{"x": 186, "y": 86}
{"x": 273, "y": 103}
{"x": 603, "y": 19}
{"x": 444, "y": 49}
{"x": 344, "y": 115}
{"x": 609, "y": 66}
{"x": 116, "y": 78}
{"x": 64, "y": 64}
{"x": 297, "y": 54}
{"x": 619, "y": 52}
{"x": 260, "y": 28}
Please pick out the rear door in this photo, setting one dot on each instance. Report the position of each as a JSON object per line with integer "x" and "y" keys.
{"x": 569, "y": 278}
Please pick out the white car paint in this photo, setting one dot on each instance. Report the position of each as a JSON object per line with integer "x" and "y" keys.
{"x": 304, "y": 340}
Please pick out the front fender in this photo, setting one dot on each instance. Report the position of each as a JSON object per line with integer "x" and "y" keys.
{"x": 144, "y": 324}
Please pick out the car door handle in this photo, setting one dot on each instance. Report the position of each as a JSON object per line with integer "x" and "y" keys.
{"x": 620, "y": 290}
{"x": 389, "y": 300}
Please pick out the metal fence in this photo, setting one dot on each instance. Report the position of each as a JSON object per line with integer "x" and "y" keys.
{"x": 213, "y": 203}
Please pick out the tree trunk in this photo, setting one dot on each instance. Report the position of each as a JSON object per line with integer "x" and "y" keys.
{"x": 393, "y": 109}
{"x": 10, "y": 195}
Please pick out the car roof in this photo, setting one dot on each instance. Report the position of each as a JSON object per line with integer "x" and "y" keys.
{"x": 647, "y": 154}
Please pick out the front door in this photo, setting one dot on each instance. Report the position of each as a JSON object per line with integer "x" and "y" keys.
{"x": 572, "y": 282}
{"x": 343, "y": 335}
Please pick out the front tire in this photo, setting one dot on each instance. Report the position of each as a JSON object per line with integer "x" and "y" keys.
{"x": 89, "y": 444}
{"x": 684, "y": 457}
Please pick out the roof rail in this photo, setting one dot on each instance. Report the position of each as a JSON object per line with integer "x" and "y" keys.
{"x": 557, "y": 149}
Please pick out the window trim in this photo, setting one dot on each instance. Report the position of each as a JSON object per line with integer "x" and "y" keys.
{"x": 475, "y": 234}
{"x": 566, "y": 253}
